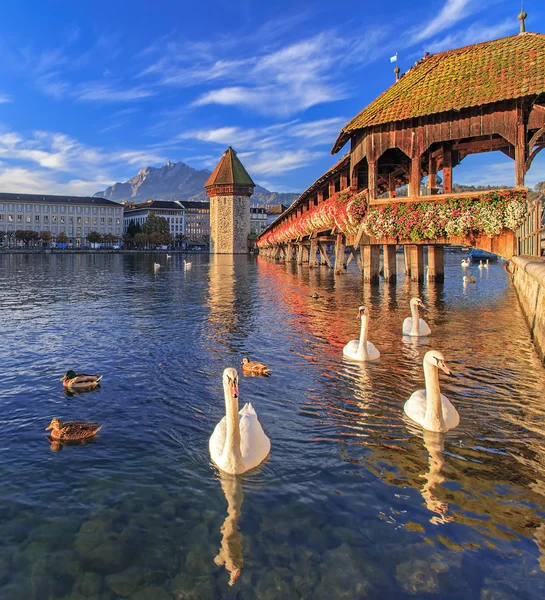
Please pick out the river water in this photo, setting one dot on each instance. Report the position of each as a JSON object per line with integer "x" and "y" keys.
{"x": 353, "y": 502}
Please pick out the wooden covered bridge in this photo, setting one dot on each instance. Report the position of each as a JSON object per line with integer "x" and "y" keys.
{"x": 479, "y": 98}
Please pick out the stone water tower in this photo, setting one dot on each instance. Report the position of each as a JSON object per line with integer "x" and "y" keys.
{"x": 229, "y": 188}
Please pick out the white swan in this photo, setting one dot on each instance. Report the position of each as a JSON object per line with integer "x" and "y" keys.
{"x": 361, "y": 349}
{"x": 187, "y": 265}
{"x": 468, "y": 278}
{"x": 481, "y": 265}
{"x": 156, "y": 266}
{"x": 429, "y": 408}
{"x": 414, "y": 325}
{"x": 486, "y": 264}
{"x": 237, "y": 446}
{"x": 465, "y": 264}
{"x": 169, "y": 256}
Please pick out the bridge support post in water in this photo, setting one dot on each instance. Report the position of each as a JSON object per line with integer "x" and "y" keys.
{"x": 300, "y": 249}
{"x": 436, "y": 264}
{"x": 417, "y": 263}
{"x": 389, "y": 257}
{"x": 312, "y": 254}
{"x": 370, "y": 258}
{"x": 289, "y": 252}
{"x": 406, "y": 255}
{"x": 339, "y": 254}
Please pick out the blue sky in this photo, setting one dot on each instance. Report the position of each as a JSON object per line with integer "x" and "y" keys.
{"x": 91, "y": 92}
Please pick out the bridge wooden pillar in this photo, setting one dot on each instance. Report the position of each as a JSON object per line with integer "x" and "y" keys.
{"x": 391, "y": 186}
{"x": 289, "y": 252}
{"x": 300, "y": 254}
{"x": 339, "y": 254}
{"x": 432, "y": 176}
{"x": 436, "y": 264}
{"x": 415, "y": 177}
{"x": 407, "y": 257}
{"x": 520, "y": 149}
{"x": 305, "y": 253}
{"x": 372, "y": 181}
{"x": 447, "y": 169}
{"x": 389, "y": 258}
{"x": 370, "y": 258}
{"x": 417, "y": 263}
{"x": 312, "y": 253}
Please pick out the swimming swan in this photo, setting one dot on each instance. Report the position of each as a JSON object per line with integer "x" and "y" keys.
{"x": 361, "y": 349}
{"x": 187, "y": 265}
{"x": 468, "y": 278}
{"x": 429, "y": 408}
{"x": 486, "y": 264}
{"x": 481, "y": 265}
{"x": 156, "y": 266}
{"x": 237, "y": 445}
{"x": 415, "y": 325}
{"x": 465, "y": 263}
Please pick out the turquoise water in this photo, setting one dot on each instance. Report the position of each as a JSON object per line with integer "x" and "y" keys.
{"x": 353, "y": 502}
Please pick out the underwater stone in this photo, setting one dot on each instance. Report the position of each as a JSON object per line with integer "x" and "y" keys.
{"x": 417, "y": 577}
{"x": 151, "y": 593}
{"x": 89, "y": 584}
{"x": 497, "y": 593}
{"x": 125, "y": 583}
{"x": 106, "y": 558}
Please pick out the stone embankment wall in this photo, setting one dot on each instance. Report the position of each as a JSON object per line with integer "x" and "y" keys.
{"x": 529, "y": 281}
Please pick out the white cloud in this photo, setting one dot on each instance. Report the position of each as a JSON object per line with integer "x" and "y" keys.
{"x": 471, "y": 35}
{"x": 4, "y": 98}
{"x": 278, "y": 162}
{"x": 96, "y": 91}
{"x": 452, "y": 12}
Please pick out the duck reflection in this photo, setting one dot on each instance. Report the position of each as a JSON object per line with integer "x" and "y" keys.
{"x": 230, "y": 553}
{"x": 434, "y": 443}
{"x": 58, "y": 445}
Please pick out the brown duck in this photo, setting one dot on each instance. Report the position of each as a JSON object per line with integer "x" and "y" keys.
{"x": 251, "y": 367}
{"x": 72, "y": 430}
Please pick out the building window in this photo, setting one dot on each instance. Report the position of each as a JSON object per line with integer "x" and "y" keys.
{"x": 117, "y": 221}
{"x": 19, "y": 208}
{"x": 86, "y": 220}
{"x": 36, "y": 218}
{"x": 70, "y": 209}
{"x": 62, "y": 209}
{"x": 95, "y": 210}
{"x": 86, "y": 210}
{"x": 53, "y": 218}
{"x": 1, "y": 217}
{"x": 94, "y": 220}
{"x": 46, "y": 208}
{"x": 37, "y": 208}
{"x": 46, "y": 219}
{"x": 102, "y": 220}
{"x": 28, "y": 218}
{"x": 62, "y": 218}
{"x": 110, "y": 220}
{"x": 19, "y": 218}
{"x": 78, "y": 219}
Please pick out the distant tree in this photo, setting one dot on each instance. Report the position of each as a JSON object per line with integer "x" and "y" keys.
{"x": 31, "y": 237}
{"x": 141, "y": 240}
{"x": 133, "y": 229}
{"x": 109, "y": 239}
{"x": 94, "y": 237}
{"x": 155, "y": 224}
{"x": 46, "y": 236}
{"x": 11, "y": 238}
{"x": 62, "y": 238}
{"x": 19, "y": 235}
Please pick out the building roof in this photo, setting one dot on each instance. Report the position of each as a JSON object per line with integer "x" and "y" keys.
{"x": 154, "y": 205}
{"x": 503, "y": 69}
{"x": 229, "y": 171}
{"x": 194, "y": 204}
{"x": 277, "y": 210}
{"x": 33, "y": 198}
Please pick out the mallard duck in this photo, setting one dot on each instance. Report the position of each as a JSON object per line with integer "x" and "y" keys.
{"x": 80, "y": 381}
{"x": 254, "y": 367}
{"x": 72, "y": 430}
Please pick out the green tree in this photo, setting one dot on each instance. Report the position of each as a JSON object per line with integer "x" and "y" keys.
{"x": 62, "y": 238}
{"x": 109, "y": 239}
{"x": 155, "y": 224}
{"x": 94, "y": 237}
{"x": 3, "y": 236}
{"x": 46, "y": 236}
{"x": 133, "y": 229}
{"x": 141, "y": 240}
{"x": 19, "y": 236}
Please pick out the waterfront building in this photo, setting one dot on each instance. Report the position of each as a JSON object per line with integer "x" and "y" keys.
{"x": 171, "y": 211}
{"x": 73, "y": 216}
{"x": 273, "y": 212}
{"x": 197, "y": 221}
{"x": 229, "y": 188}
{"x": 258, "y": 219}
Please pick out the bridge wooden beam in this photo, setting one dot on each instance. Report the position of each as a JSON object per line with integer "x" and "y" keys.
{"x": 436, "y": 264}
{"x": 339, "y": 254}
{"x": 447, "y": 169}
{"x": 370, "y": 263}
{"x": 389, "y": 260}
{"x": 416, "y": 254}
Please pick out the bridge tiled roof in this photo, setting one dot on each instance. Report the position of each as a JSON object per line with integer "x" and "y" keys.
{"x": 229, "y": 171}
{"x": 502, "y": 69}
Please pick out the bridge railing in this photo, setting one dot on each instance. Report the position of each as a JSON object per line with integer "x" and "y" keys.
{"x": 531, "y": 234}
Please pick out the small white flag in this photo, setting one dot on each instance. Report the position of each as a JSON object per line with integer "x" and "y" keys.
{"x": 393, "y": 58}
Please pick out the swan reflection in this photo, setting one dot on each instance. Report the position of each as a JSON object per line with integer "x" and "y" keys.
{"x": 434, "y": 443}
{"x": 230, "y": 553}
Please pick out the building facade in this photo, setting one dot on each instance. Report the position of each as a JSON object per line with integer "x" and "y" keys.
{"x": 73, "y": 216}
{"x": 258, "y": 219}
{"x": 185, "y": 218}
{"x": 229, "y": 188}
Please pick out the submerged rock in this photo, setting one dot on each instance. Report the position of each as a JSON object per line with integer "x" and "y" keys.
{"x": 417, "y": 577}
{"x": 151, "y": 593}
{"x": 125, "y": 583}
{"x": 89, "y": 584}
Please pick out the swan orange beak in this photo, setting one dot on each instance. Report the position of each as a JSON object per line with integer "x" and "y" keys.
{"x": 235, "y": 391}
{"x": 441, "y": 364}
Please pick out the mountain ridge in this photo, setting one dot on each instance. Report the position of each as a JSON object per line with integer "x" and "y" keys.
{"x": 178, "y": 181}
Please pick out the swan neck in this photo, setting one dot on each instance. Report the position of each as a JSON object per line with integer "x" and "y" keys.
{"x": 416, "y": 318}
{"x": 232, "y": 427}
{"x": 362, "y": 346}
{"x": 434, "y": 409}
